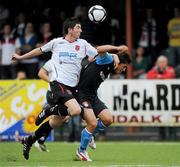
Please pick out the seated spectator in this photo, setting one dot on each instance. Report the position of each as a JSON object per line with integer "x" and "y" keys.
{"x": 140, "y": 64}
{"x": 115, "y": 31}
{"x": 44, "y": 37}
{"x": 58, "y": 27}
{"x": 24, "y": 44}
{"x": 21, "y": 75}
{"x": 148, "y": 38}
{"x": 4, "y": 15}
{"x": 7, "y": 48}
{"x": 161, "y": 70}
{"x": 87, "y": 26}
{"x": 20, "y": 25}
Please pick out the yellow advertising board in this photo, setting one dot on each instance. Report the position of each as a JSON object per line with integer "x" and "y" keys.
{"x": 20, "y": 102}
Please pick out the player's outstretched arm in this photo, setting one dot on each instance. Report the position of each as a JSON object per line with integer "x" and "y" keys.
{"x": 112, "y": 49}
{"x": 32, "y": 53}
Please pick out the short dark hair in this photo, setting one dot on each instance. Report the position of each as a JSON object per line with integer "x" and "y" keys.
{"x": 6, "y": 24}
{"x": 124, "y": 58}
{"x": 70, "y": 23}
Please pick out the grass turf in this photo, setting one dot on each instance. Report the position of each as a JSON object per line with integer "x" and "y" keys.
{"x": 107, "y": 154}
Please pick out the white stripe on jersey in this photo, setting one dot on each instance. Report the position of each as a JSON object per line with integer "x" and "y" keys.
{"x": 66, "y": 59}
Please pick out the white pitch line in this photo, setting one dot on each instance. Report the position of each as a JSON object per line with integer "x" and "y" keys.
{"x": 140, "y": 165}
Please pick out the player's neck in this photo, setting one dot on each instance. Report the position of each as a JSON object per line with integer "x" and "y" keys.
{"x": 69, "y": 38}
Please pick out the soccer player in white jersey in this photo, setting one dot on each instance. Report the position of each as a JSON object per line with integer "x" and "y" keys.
{"x": 67, "y": 54}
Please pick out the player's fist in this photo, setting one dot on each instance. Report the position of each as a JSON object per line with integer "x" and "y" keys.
{"x": 123, "y": 49}
{"x": 15, "y": 57}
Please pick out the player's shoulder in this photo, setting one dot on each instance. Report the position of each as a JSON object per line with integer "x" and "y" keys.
{"x": 109, "y": 54}
{"x": 82, "y": 41}
{"x": 105, "y": 58}
{"x": 58, "y": 40}
{"x": 105, "y": 55}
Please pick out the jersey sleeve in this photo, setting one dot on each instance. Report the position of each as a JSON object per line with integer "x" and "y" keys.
{"x": 47, "y": 66}
{"x": 105, "y": 58}
{"x": 90, "y": 50}
{"x": 48, "y": 47}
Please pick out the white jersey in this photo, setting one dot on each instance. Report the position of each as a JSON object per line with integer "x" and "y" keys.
{"x": 48, "y": 66}
{"x": 66, "y": 59}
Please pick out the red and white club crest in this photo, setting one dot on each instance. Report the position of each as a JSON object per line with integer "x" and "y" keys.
{"x": 77, "y": 47}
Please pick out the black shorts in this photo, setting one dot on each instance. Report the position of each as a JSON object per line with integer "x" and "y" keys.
{"x": 60, "y": 93}
{"x": 93, "y": 102}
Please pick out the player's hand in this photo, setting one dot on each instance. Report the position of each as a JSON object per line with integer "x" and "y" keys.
{"x": 116, "y": 61}
{"x": 15, "y": 58}
{"x": 122, "y": 49}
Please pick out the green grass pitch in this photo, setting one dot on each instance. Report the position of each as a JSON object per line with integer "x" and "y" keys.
{"x": 107, "y": 154}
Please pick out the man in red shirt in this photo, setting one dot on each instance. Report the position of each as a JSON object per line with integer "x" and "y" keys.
{"x": 161, "y": 70}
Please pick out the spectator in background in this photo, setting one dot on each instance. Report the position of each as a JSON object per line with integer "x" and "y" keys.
{"x": 44, "y": 37}
{"x": 115, "y": 31}
{"x": 140, "y": 64}
{"x": 4, "y": 15}
{"x": 58, "y": 27}
{"x": 162, "y": 71}
{"x": 24, "y": 44}
{"x": 148, "y": 38}
{"x": 87, "y": 25}
{"x": 47, "y": 15}
{"x": 77, "y": 11}
{"x": 174, "y": 39}
{"x": 20, "y": 23}
{"x": 21, "y": 75}
{"x": 7, "y": 48}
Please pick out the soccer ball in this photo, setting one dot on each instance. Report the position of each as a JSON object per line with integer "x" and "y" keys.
{"x": 97, "y": 14}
